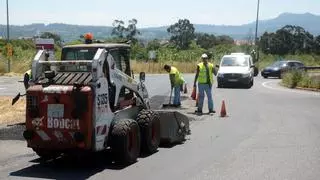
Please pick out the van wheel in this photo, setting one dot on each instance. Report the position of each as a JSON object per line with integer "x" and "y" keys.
{"x": 149, "y": 123}
{"x": 125, "y": 141}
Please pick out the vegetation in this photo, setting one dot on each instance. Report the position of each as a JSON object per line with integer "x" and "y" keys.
{"x": 183, "y": 49}
{"x": 301, "y": 79}
{"x": 290, "y": 40}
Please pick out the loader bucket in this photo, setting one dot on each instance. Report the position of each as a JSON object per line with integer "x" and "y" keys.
{"x": 174, "y": 126}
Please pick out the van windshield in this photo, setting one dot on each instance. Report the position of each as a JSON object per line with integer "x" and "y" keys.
{"x": 235, "y": 61}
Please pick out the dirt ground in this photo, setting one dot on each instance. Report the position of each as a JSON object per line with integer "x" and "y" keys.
{"x": 11, "y": 114}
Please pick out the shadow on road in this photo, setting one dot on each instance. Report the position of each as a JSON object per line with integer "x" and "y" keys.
{"x": 80, "y": 168}
{"x": 157, "y": 101}
{"x": 69, "y": 167}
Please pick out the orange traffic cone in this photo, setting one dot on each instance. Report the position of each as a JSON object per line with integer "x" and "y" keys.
{"x": 223, "y": 112}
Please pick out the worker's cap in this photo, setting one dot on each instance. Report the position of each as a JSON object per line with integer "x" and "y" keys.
{"x": 204, "y": 56}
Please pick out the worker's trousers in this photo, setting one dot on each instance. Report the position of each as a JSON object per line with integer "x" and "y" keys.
{"x": 176, "y": 98}
{"x": 208, "y": 89}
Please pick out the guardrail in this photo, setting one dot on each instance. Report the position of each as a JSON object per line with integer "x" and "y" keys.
{"x": 311, "y": 68}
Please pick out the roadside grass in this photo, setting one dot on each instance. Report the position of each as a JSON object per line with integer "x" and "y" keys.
{"x": 299, "y": 79}
{"x": 21, "y": 62}
{"x": 12, "y": 114}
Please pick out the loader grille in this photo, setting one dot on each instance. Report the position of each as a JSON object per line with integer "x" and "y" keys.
{"x": 68, "y": 78}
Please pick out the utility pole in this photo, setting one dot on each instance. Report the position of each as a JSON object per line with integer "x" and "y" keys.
{"x": 8, "y": 35}
{"x": 256, "y": 34}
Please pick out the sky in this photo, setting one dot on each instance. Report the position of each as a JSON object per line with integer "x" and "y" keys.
{"x": 149, "y": 13}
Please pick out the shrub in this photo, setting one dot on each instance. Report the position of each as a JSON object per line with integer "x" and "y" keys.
{"x": 292, "y": 78}
{"x": 300, "y": 79}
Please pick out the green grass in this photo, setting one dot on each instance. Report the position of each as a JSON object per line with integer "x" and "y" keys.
{"x": 301, "y": 79}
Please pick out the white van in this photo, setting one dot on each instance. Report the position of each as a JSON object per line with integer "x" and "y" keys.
{"x": 236, "y": 69}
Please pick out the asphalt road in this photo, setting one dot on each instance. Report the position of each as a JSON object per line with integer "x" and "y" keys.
{"x": 270, "y": 133}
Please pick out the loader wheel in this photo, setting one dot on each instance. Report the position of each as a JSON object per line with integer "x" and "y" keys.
{"x": 125, "y": 140}
{"x": 149, "y": 122}
{"x": 46, "y": 154}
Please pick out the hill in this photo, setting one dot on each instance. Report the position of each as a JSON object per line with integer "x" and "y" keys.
{"x": 70, "y": 32}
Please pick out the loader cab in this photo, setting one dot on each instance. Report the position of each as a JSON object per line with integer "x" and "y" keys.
{"x": 120, "y": 53}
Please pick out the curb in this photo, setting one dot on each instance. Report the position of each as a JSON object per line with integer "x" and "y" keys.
{"x": 300, "y": 88}
{"x": 308, "y": 89}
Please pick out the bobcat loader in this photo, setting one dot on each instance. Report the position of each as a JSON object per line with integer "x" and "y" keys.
{"x": 90, "y": 101}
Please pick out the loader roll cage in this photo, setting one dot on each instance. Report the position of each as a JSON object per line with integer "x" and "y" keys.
{"x": 120, "y": 53}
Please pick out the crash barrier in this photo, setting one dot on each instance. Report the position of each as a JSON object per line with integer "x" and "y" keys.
{"x": 311, "y": 68}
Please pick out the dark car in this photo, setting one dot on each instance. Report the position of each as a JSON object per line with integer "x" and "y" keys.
{"x": 279, "y": 67}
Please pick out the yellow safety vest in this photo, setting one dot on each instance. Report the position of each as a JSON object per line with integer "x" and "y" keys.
{"x": 202, "y": 78}
{"x": 178, "y": 80}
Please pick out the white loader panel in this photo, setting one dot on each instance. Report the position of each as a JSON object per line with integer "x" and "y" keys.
{"x": 103, "y": 114}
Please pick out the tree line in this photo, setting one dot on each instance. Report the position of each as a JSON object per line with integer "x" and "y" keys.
{"x": 186, "y": 43}
{"x": 290, "y": 40}
{"x": 182, "y": 34}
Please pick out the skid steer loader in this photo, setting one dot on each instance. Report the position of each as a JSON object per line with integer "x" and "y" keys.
{"x": 90, "y": 101}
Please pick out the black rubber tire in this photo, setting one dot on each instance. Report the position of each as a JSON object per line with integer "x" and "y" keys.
{"x": 125, "y": 141}
{"x": 249, "y": 85}
{"x": 265, "y": 77}
{"x": 149, "y": 123}
{"x": 46, "y": 154}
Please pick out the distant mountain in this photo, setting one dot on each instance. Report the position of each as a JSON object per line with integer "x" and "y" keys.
{"x": 70, "y": 32}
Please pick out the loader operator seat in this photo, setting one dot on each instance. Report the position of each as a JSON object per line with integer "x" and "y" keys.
{"x": 111, "y": 87}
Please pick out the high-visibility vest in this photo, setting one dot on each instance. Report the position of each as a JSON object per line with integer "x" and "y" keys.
{"x": 178, "y": 80}
{"x": 202, "y": 78}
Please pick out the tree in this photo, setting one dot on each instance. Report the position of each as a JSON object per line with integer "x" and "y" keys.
{"x": 118, "y": 28}
{"x": 288, "y": 40}
{"x": 316, "y": 47}
{"x": 182, "y": 33}
{"x": 224, "y": 39}
{"x": 132, "y": 30}
{"x": 127, "y": 33}
{"x": 153, "y": 45}
{"x": 205, "y": 40}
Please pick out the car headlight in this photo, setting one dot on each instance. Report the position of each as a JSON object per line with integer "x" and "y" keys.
{"x": 246, "y": 75}
{"x": 220, "y": 75}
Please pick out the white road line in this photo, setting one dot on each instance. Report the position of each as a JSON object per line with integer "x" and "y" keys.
{"x": 266, "y": 85}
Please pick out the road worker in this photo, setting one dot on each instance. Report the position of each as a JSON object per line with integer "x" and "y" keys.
{"x": 204, "y": 76}
{"x": 176, "y": 81}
